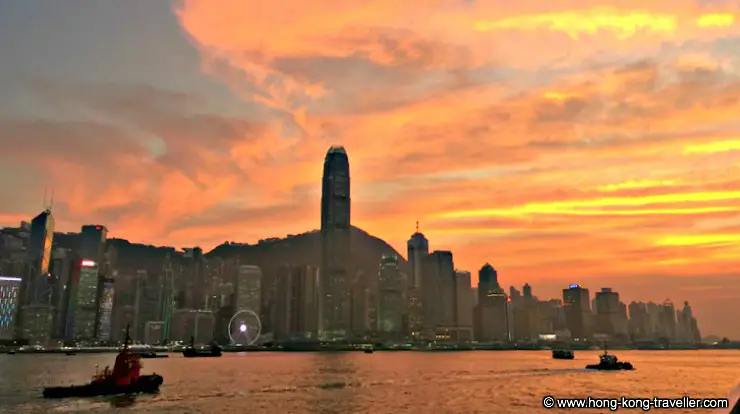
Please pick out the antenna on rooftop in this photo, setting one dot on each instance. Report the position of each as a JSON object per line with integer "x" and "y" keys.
{"x": 46, "y": 189}
{"x": 51, "y": 202}
{"x": 417, "y": 226}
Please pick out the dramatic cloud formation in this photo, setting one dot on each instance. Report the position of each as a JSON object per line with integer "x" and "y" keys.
{"x": 562, "y": 141}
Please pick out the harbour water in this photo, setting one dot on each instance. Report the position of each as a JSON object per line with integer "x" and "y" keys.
{"x": 379, "y": 383}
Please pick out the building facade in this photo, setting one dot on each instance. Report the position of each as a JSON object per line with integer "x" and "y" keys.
{"x": 9, "y": 297}
{"x": 391, "y": 301}
{"x": 336, "y": 272}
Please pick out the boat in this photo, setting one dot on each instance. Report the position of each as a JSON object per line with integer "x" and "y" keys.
{"x": 124, "y": 379}
{"x": 562, "y": 354}
{"x": 610, "y": 363}
{"x": 152, "y": 355}
{"x": 11, "y": 352}
{"x": 192, "y": 352}
{"x": 70, "y": 353}
{"x": 146, "y": 351}
{"x": 368, "y": 350}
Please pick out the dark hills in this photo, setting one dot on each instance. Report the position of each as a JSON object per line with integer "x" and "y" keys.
{"x": 268, "y": 254}
{"x": 305, "y": 249}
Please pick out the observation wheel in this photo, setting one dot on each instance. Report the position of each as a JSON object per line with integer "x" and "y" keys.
{"x": 245, "y": 328}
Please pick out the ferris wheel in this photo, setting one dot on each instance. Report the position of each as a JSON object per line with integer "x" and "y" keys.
{"x": 245, "y": 327}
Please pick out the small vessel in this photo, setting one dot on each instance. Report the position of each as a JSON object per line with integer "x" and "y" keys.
{"x": 152, "y": 355}
{"x": 192, "y": 352}
{"x": 368, "y": 350}
{"x": 11, "y": 352}
{"x": 147, "y": 352}
{"x": 70, "y": 353}
{"x": 610, "y": 363}
{"x": 562, "y": 354}
{"x": 124, "y": 379}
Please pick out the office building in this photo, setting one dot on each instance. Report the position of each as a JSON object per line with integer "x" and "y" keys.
{"x": 640, "y": 327}
{"x": 297, "y": 303}
{"x": 249, "y": 288}
{"x": 610, "y": 318}
{"x": 85, "y": 293}
{"x": 438, "y": 296}
{"x": 390, "y": 298}
{"x": 492, "y": 312}
{"x": 154, "y": 332}
{"x": 335, "y": 317}
{"x": 106, "y": 291}
{"x": 192, "y": 323}
{"x": 577, "y": 306}
{"x": 418, "y": 250}
{"x": 464, "y": 306}
{"x": 9, "y": 297}
{"x": 36, "y": 312}
{"x": 195, "y": 286}
{"x": 525, "y": 316}
{"x": 361, "y": 306}
{"x": 84, "y": 309}
{"x": 64, "y": 271}
{"x": 667, "y": 322}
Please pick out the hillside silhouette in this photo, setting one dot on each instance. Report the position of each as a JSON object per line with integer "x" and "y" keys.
{"x": 305, "y": 249}
{"x": 268, "y": 254}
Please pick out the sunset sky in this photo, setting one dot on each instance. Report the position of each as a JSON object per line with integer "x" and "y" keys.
{"x": 563, "y": 141}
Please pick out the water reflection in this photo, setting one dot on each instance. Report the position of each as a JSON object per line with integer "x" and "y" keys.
{"x": 337, "y": 383}
{"x": 123, "y": 401}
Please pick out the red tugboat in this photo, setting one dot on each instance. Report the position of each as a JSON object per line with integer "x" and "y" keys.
{"x": 124, "y": 379}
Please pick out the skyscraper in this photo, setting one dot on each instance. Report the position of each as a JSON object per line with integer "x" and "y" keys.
{"x": 391, "y": 306}
{"x": 492, "y": 317}
{"x": 609, "y": 319}
{"x": 249, "y": 288}
{"x": 438, "y": 295}
{"x": 335, "y": 237}
{"x": 577, "y": 312}
{"x": 418, "y": 250}
{"x": 463, "y": 306}
{"x": 36, "y": 313}
{"x": 9, "y": 287}
{"x": 86, "y": 292}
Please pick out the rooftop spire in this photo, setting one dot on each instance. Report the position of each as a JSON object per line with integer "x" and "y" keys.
{"x": 417, "y": 226}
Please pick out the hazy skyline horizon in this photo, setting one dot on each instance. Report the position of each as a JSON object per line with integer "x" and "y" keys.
{"x": 563, "y": 143}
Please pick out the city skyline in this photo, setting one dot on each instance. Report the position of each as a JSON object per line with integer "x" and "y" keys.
{"x": 509, "y": 157}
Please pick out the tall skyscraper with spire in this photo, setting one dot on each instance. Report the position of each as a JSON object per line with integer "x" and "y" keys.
{"x": 418, "y": 250}
{"x": 336, "y": 253}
